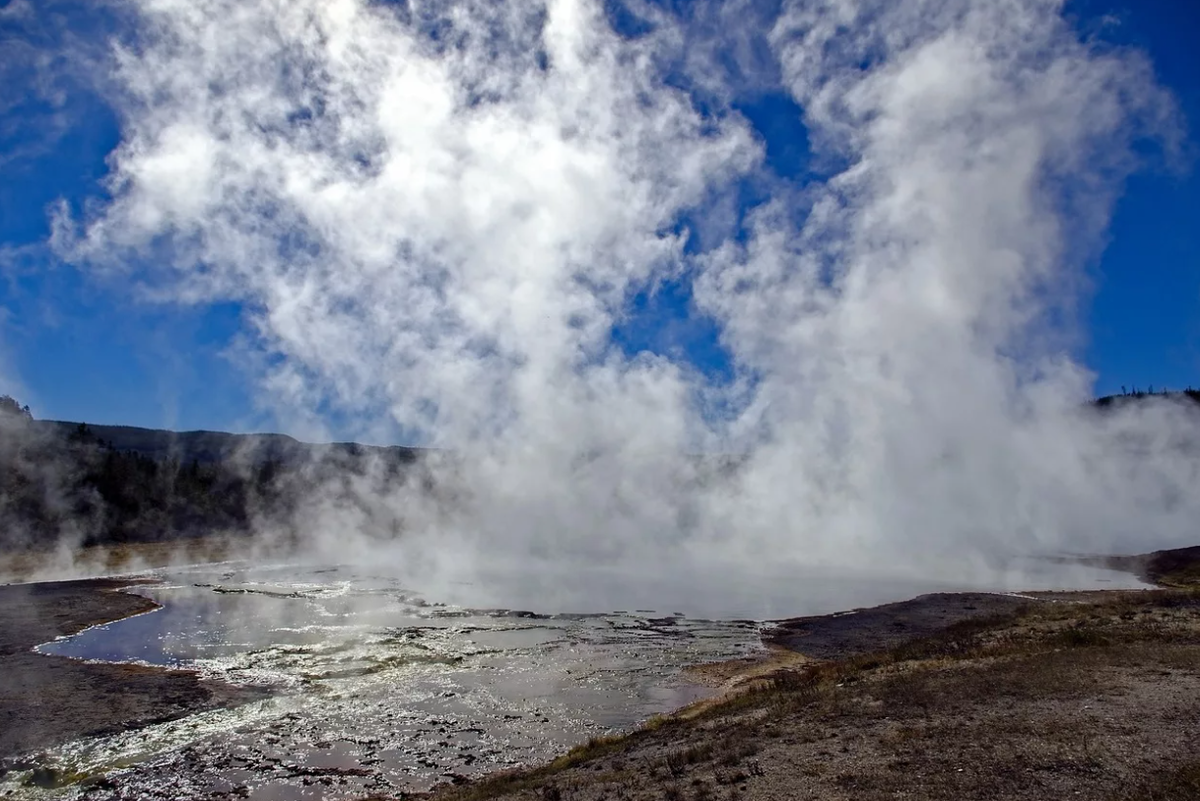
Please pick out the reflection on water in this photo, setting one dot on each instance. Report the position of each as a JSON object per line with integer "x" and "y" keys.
{"x": 381, "y": 690}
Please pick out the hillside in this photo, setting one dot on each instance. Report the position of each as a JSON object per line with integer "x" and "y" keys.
{"x": 1138, "y": 396}
{"x": 209, "y": 447}
{"x": 79, "y": 484}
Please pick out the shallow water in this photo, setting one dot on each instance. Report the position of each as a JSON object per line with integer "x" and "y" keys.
{"x": 380, "y": 689}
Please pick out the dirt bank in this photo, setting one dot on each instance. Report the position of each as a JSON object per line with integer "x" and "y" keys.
{"x": 46, "y": 700}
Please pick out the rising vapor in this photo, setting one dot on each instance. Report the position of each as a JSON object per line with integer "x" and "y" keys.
{"x": 435, "y": 214}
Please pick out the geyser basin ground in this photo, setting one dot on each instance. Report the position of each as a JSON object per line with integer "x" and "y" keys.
{"x": 375, "y": 688}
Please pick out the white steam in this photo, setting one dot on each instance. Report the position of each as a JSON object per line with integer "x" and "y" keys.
{"x": 436, "y": 213}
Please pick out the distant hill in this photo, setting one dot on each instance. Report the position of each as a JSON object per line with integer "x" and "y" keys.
{"x": 210, "y": 447}
{"x": 82, "y": 484}
{"x": 1138, "y": 396}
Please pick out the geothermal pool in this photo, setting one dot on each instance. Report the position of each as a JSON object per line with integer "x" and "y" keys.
{"x": 379, "y": 689}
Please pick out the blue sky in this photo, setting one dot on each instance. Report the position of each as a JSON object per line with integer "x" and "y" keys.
{"x": 77, "y": 348}
{"x": 1143, "y": 323}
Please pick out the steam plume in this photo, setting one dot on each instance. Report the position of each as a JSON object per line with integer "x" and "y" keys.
{"x": 435, "y": 214}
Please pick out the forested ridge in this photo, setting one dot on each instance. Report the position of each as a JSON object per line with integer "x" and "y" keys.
{"x": 108, "y": 484}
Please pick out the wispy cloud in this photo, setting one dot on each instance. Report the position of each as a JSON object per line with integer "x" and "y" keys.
{"x": 53, "y": 56}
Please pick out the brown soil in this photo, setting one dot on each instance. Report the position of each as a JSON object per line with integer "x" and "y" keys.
{"x": 1087, "y": 696}
{"x": 46, "y": 700}
{"x": 736, "y": 672}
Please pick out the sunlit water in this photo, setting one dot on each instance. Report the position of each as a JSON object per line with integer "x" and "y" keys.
{"x": 380, "y": 689}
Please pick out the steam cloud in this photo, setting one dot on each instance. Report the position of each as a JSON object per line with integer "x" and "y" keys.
{"x": 435, "y": 214}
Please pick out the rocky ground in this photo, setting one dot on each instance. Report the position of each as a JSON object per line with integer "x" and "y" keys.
{"x": 1093, "y": 696}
